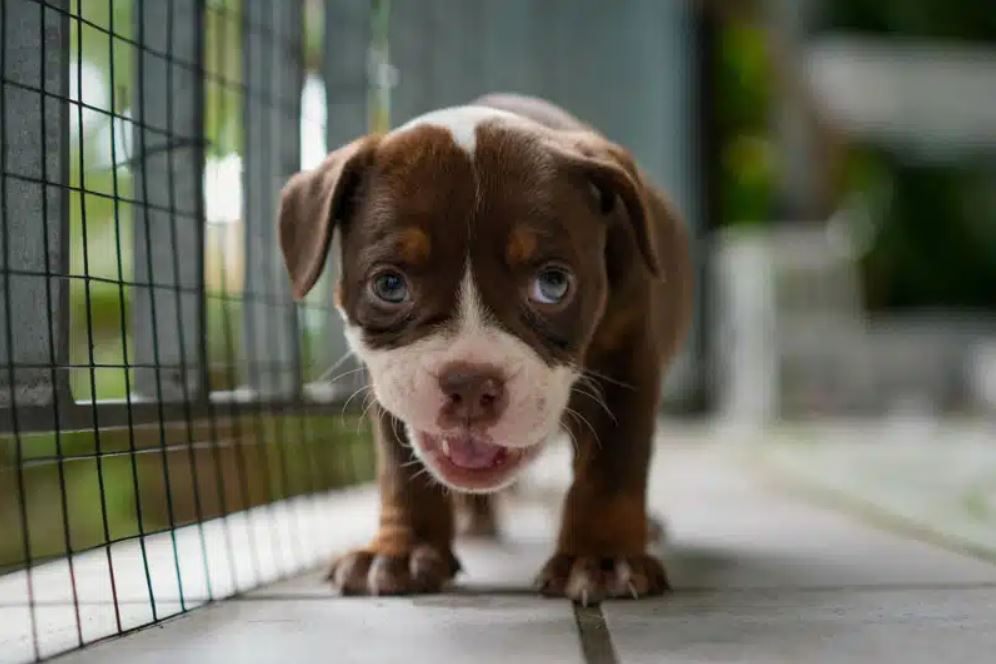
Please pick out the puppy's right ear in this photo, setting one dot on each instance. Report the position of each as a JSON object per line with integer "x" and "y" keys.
{"x": 312, "y": 203}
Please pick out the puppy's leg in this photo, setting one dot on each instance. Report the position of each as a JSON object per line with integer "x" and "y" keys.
{"x": 412, "y": 551}
{"x": 476, "y": 516}
{"x": 601, "y": 551}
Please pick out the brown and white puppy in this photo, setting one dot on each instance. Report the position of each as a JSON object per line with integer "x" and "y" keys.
{"x": 507, "y": 273}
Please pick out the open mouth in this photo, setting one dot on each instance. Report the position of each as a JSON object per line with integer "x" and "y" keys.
{"x": 472, "y": 461}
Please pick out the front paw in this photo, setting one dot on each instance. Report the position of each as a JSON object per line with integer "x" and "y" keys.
{"x": 590, "y": 579}
{"x": 424, "y": 569}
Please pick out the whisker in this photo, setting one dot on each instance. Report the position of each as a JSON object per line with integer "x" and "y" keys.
{"x": 574, "y": 419}
{"x": 595, "y": 386}
{"x": 585, "y": 420}
{"x": 574, "y": 440}
{"x": 399, "y": 435}
{"x": 359, "y": 390}
{"x": 591, "y": 387}
{"x": 370, "y": 400}
{"x": 584, "y": 372}
{"x": 609, "y": 379}
{"x": 598, "y": 400}
{"x": 335, "y": 365}
{"x": 424, "y": 471}
{"x": 338, "y": 377}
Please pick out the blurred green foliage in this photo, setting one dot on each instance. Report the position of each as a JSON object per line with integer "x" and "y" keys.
{"x": 934, "y": 242}
{"x": 743, "y": 100}
{"x": 934, "y": 231}
{"x": 314, "y": 453}
{"x": 933, "y": 223}
{"x": 972, "y": 20}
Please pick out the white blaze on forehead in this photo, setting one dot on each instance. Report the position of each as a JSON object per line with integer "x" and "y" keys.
{"x": 472, "y": 316}
{"x": 462, "y": 123}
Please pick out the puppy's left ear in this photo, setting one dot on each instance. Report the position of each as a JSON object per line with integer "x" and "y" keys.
{"x": 312, "y": 203}
{"x": 611, "y": 170}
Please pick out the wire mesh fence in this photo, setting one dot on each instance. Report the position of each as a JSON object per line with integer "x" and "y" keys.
{"x": 168, "y": 428}
{"x": 169, "y": 419}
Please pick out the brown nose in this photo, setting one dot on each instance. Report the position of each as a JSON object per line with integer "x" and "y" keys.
{"x": 475, "y": 395}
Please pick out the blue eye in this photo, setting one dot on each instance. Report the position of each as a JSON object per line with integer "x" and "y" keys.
{"x": 551, "y": 285}
{"x": 390, "y": 287}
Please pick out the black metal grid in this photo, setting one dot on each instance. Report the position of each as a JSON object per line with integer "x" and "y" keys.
{"x": 154, "y": 387}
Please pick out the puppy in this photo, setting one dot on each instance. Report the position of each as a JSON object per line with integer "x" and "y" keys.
{"x": 506, "y": 273}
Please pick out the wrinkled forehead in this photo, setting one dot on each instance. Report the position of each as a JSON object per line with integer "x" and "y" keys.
{"x": 458, "y": 177}
{"x": 475, "y": 147}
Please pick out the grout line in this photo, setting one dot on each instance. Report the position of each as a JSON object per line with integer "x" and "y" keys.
{"x": 262, "y": 595}
{"x": 596, "y": 640}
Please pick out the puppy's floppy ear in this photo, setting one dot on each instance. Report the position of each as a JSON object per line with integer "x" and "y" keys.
{"x": 311, "y": 204}
{"x": 614, "y": 175}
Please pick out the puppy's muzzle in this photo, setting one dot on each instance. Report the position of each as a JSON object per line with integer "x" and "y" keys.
{"x": 474, "y": 396}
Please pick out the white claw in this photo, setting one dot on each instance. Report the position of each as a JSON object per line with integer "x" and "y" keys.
{"x": 632, "y": 590}
{"x": 446, "y": 447}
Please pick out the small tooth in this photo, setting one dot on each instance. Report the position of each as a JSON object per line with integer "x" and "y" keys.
{"x": 446, "y": 447}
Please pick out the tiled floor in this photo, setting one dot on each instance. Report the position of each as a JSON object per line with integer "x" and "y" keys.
{"x": 760, "y": 576}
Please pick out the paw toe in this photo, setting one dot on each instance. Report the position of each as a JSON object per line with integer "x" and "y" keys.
{"x": 425, "y": 569}
{"x": 349, "y": 573}
{"x": 588, "y": 579}
{"x": 389, "y": 576}
{"x": 430, "y": 568}
{"x": 552, "y": 579}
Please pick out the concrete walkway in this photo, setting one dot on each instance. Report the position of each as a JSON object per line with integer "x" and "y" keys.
{"x": 760, "y": 576}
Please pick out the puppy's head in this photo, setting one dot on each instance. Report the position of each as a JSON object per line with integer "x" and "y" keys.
{"x": 473, "y": 274}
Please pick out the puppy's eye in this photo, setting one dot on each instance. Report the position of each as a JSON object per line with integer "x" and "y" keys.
{"x": 389, "y": 286}
{"x": 551, "y": 285}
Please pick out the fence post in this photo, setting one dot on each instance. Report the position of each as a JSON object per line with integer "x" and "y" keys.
{"x": 34, "y": 181}
{"x": 347, "y": 79}
{"x": 273, "y": 76}
{"x": 168, "y": 169}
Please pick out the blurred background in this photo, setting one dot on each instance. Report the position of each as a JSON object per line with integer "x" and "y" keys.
{"x": 854, "y": 228}
{"x": 835, "y": 161}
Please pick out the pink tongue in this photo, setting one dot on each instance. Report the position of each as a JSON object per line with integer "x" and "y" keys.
{"x": 474, "y": 453}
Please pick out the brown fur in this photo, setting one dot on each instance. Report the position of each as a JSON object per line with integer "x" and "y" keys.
{"x": 521, "y": 245}
{"x": 414, "y": 246}
{"x": 529, "y": 198}
{"x": 641, "y": 327}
